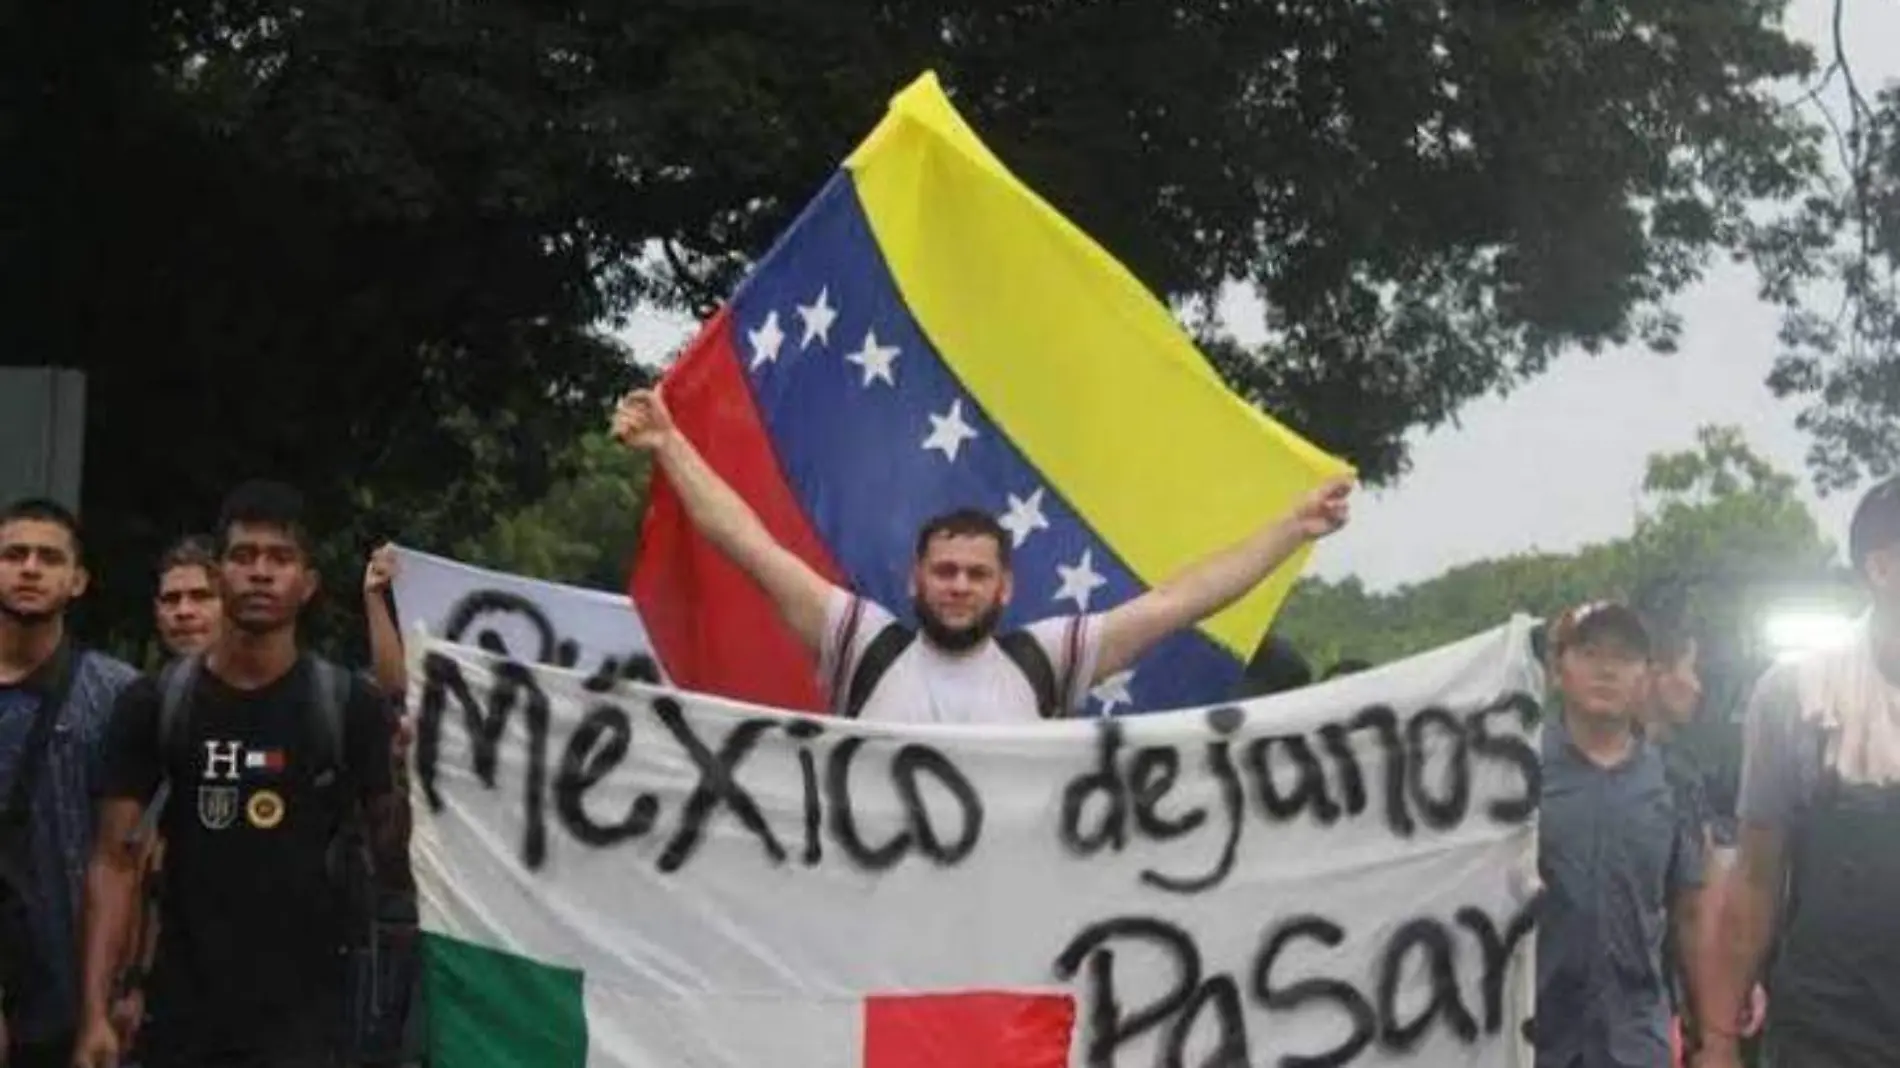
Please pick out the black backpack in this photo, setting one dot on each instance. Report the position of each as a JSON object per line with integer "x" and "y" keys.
{"x": 380, "y": 935}
{"x": 1020, "y": 646}
{"x": 19, "y": 957}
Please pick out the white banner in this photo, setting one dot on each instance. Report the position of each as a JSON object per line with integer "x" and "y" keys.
{"x": 634, "y": 876}
{"x": 532, "y": 620}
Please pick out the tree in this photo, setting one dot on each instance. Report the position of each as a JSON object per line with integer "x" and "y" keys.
{"x": 368, "y": 247}
{"x": 1726, "y": 536}
{"x": 1722, "y": 537}
{"x": 583, "y": 532}
{"x": 1835, "y": 268}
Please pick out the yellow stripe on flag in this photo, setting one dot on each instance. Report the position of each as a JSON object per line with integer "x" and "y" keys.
{"x": 1087, "y": 372}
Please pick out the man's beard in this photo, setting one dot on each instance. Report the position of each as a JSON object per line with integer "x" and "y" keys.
{"x": 956, "y": 639}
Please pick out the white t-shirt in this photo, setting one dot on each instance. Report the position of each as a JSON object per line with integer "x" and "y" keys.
{"x": 927, "y": 685}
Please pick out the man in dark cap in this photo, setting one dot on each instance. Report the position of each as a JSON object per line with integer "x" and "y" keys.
{"x": 1620, "y": 854}
{"x": 1817, "y": 874}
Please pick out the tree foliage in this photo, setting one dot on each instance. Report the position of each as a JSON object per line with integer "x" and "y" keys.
{"x": 1723, "y": 536}
{"x": 583, "y": 532}
{"x": 1835, "y": 268}
{"x": 368, "y": 247}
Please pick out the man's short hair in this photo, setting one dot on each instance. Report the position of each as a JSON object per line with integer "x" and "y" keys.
{"x": 964, "y": 523}
{"x": 1876, "y": 522}
{"x": 194, "y": 550}
{"x": 261, "y": 502}
{"x": 46, "y": 510}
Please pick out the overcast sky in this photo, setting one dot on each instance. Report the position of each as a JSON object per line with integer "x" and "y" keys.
{"x": 1558, "y": 463}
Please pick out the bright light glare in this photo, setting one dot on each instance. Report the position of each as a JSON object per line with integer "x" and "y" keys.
{"x": 1792, "y": 632}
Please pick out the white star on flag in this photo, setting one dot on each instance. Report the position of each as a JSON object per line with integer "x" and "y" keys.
{"x": 1080, "y": 581}
{"x": 818, "y": 318}
{"x": 1024, "y": 518}
{"x": 876, "y": 360}
{"x": 1114, "y": 691}
{"x": 948, "y": 431}
{"x": 766, "y": 341}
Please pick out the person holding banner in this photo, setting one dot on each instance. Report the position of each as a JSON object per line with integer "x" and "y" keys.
{"x": 385, "y": 640}
{"x": 1814, "y": 893}
{"x": 957, "y": 668}
{"x": 1621, "y": 848}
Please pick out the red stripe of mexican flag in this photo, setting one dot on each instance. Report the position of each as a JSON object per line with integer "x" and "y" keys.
{"x": 492, "y": 1009}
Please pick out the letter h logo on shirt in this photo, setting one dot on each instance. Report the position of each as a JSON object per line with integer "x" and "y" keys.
{"x": 222, "y": 760}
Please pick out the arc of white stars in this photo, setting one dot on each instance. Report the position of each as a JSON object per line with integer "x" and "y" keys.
{"x": 877, "y": 361}
{"x": 1024, "y": 518}
{"x": 766, "y": 341}
{"x": 1079, "y": 581}
{"x": 948, "y": 431}
{"x": 818, "y": 317}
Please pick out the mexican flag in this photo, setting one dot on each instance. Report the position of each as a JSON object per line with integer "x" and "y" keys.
{"x": 501, "y": 1009}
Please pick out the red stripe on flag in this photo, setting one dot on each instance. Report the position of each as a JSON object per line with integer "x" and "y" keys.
{"x": 979, "y": 1029}
{"x": 714, "y": 628}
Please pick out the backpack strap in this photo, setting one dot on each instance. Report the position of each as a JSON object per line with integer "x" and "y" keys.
{"x": 1052, "y": 693}
{"x": 847, "y": 633}
{"x": 1072, "y": 682}
{"x": 1027, "y": 653}
{"x": 878, "y": 657}
{"x": 177, "y": 681}
{"x": 329, "y": 691}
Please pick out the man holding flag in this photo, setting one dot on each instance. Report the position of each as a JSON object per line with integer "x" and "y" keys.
{"x": 929, "y": 331}
{"x": 956, "y": 668}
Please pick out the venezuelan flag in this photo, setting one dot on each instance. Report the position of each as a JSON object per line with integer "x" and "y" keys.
{"x": 929, "y": 334}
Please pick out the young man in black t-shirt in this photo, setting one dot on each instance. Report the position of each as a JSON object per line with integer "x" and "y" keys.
{"x": 253, "y": 917}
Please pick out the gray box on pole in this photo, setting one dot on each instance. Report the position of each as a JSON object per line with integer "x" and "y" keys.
{"x": 42, "y": 433}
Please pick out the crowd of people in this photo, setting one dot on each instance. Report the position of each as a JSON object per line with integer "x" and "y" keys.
{"x": 197, "y": 863}
{"x": 207, "y": 863}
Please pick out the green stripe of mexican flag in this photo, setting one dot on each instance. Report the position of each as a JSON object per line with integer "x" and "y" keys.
{"x": 491, "y": 1009}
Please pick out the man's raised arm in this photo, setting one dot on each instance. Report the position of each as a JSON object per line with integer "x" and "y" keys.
{"x": 724, "y": 518}
{"x": 1206, "y": 587}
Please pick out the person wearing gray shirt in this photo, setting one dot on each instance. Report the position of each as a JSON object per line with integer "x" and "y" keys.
{"x": 1620, "y": 844}
{"x": 1816, "y": 884}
